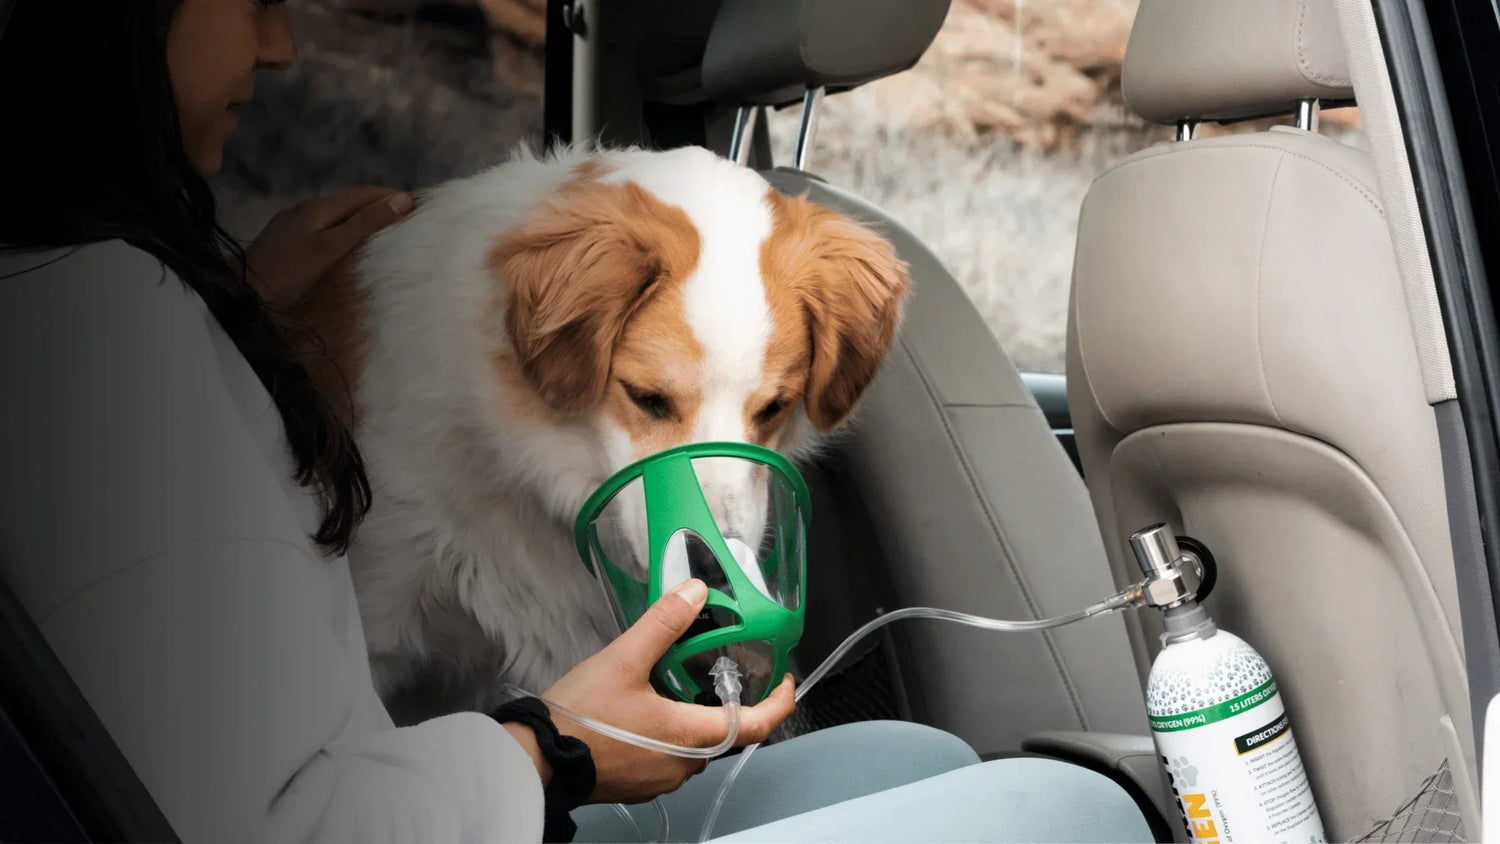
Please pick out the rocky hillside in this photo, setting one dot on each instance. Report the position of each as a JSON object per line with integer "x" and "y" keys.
{"x": 985, "y": 148}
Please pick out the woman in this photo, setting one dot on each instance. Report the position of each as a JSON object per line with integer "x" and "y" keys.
{"x": 176, "y": 497}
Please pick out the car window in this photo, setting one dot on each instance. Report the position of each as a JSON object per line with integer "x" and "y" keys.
{"x": 402, "y": 93}
{"x": 986, "y": 148}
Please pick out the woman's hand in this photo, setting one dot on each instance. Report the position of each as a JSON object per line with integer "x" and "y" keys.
{"x": 302, "y": 243}
{"x": 614, "y": 687}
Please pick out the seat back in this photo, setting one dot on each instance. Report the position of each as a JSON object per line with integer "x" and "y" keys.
{"x": 1241, "y": 365}
{"x": 949, "y": 489}
{"x": 975, "y": 506}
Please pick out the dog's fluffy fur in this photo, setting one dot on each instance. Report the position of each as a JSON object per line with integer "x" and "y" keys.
{"x": 532, "y": 329}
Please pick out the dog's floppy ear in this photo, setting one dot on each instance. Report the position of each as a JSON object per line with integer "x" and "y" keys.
{"x": 575, "y": 272}
{"x": 852, "y": 287}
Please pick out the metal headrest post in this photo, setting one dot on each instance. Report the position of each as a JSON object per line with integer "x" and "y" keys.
{"x": 1307, "y": 115}
{"x": 744, "y": 134}
{"x": 1185, "y": 129}
{"x": 811, "y": 101}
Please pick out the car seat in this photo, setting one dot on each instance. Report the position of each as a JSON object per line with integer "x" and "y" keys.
{"x": 1242, "y": 365}
{"x": 950, "y": 489}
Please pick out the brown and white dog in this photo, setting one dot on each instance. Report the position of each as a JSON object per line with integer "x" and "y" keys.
{"x": 532, "y": 329}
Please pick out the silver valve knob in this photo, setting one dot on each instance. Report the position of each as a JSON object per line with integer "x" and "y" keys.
{"x": 1165, "y": 566}
{"x": 1155, "y": 549}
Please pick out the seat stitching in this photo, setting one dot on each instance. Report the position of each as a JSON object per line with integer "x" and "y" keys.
{"x": 1307, "y": 69}
{"x": 1367, "y": 193}
{"x": 1260, "y": 264}
{"x": 1078, "y": 332}
{"x": 1009, "y": 555}
{"x": 1421, "y": 573}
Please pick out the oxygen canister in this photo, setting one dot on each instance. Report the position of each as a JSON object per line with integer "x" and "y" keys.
{"x": 1217, "y": 717}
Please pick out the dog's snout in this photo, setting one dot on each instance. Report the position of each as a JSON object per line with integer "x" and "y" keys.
{"x": 732, "y": 519}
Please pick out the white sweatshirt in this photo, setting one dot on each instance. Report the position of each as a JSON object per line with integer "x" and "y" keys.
{"x": 149, "y": 523}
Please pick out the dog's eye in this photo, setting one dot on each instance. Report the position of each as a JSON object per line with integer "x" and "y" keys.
{"x": 656, "y": 405}
{"x": 770, "y": 411}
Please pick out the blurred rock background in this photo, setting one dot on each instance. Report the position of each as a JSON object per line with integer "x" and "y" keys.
{"x": 984, "y": 149}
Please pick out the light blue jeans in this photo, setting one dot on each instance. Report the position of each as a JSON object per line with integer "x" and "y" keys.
{"x": 881, "y": 781}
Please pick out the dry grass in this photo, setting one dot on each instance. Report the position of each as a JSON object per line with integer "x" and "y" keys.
{"x": 1002, "y": 219}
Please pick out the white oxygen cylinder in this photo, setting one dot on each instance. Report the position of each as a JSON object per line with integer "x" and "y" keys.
{"x": 1220, "y": 727}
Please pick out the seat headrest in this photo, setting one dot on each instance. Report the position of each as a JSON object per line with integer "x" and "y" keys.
{"x": 1224, "y": 60}
{"x": 769, "y": 52}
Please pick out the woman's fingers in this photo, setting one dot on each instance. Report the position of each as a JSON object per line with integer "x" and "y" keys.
{"x": 759, "y": 721}
{"x": 301, "y": 244}
{"x": 326, "y": 212}
{"x": 638, "y": 648}
{"x": 705, "y": 726}
{"x": 367, "y": 220}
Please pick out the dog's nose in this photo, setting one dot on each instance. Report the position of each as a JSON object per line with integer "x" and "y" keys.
{"x": 701, "y": 559}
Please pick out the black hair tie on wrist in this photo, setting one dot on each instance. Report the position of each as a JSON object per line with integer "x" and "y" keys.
{"x": 571, "y": 762}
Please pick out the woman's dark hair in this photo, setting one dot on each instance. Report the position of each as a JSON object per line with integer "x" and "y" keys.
{"x": 92, "y": 151}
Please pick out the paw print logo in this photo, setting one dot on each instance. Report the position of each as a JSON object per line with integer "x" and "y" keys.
{"x": 1184, "y": 772}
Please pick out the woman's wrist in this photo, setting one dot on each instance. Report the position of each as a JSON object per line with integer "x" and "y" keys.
{"x": 526, "y": 737}
{"x": 564, "y": 763}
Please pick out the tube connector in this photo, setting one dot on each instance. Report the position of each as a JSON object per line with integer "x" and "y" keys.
{"x": 726, "y": 674}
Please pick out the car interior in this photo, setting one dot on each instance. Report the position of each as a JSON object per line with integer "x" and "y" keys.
{"x": 1292, "y": 418}
{"x": 1260, "y": 353}
{"x": 1255, "y": 356}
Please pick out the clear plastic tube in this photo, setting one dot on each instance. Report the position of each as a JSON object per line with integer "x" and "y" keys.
{"x": 713, "y": 811}
{"x": 629, "y": 819}
{"x": 731, "y": 711}
{"x": 727, "y": 684}
{"x": 1109, "y": 605}
{"x": 663, "y": 827}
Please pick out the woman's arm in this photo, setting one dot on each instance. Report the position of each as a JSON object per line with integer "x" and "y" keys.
{"x": 150, "y": 526}
{"x": 216, "y": 667}
{"x": 151, "y": 529}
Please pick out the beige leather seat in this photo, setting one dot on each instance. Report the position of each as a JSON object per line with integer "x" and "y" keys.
{"x": 1241, "y": 364}
{"x": 951, "y": 489}
{"x": 974, "y": 506}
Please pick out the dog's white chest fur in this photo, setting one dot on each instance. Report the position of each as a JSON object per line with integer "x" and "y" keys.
{"x": 452, "y": 607}
{"x": 465, "y": 566}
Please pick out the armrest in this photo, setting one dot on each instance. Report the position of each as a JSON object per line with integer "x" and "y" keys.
{"x": 1129, "y": 760}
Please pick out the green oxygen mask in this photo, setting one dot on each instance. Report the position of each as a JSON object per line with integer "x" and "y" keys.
{"x": 733, "y": 515}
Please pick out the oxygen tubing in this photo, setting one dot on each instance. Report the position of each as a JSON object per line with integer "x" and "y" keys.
{"x": 727, "y": 684}
{"x": 1209, "y": 571}
{"x": 1112, "y": 604}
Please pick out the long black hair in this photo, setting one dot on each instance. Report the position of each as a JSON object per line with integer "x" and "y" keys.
{"x": 92, "y": 150}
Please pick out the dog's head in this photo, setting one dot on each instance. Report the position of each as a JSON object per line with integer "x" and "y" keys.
{"x": 674, "y": 297}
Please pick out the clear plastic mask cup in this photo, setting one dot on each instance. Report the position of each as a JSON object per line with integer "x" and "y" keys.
{"x": 732, "y": 515}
